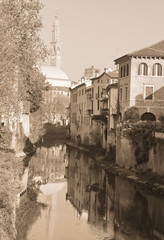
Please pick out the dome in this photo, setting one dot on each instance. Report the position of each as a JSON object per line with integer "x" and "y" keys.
{"x": 55, "y": 76}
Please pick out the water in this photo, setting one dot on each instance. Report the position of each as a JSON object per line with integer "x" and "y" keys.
{"x": 70, "y": 197}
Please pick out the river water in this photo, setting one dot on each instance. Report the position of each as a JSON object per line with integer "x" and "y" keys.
{"x": 69, "y": 197}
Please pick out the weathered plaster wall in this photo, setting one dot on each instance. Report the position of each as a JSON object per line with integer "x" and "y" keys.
{"x": 125, "y": 155}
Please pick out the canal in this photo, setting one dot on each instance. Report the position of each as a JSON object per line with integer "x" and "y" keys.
{"x": 70, "y": 197}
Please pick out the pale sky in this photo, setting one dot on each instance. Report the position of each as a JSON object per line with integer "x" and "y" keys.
{"x": 95, "y": 32}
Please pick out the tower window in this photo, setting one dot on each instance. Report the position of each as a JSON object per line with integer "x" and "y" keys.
{"x": 157, "y": 69}
{"x": 143, "y": 69}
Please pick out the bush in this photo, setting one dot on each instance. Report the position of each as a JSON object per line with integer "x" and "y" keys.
{"x": 132, "y": 114}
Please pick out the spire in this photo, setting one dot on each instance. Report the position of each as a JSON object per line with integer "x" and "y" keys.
{"x": 56, "y": 44}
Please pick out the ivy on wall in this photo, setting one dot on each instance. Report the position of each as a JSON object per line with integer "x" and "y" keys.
{"x": 142, "y": 135}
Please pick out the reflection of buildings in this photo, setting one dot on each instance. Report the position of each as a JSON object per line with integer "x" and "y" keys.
{"x": 86, "y": 189}
{"x": 138, "y": 214}
{"x": 49, "y": 164}
{"x": 57, "y": 91}
{"x": 114, "y": 205}
{"x": 78, "y": 178}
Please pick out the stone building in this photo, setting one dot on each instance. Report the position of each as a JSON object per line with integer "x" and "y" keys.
{"x": 141, "y": 81}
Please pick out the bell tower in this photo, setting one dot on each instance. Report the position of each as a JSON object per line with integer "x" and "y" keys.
{"x": 55, "y": 53}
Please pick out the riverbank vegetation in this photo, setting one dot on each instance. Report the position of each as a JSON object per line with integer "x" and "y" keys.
{"x": 21, "y": 91}
{"x": 21, "y": 53}
{"x": 11, "y": 169}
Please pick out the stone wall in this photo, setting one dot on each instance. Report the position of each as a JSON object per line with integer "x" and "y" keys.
{"x": 126, "y": 154}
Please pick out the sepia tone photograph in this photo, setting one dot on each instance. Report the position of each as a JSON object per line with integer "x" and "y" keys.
{"x": 81, "y": 120}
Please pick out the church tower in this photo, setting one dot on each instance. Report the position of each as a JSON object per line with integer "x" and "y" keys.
{"x": 55, "y": 53}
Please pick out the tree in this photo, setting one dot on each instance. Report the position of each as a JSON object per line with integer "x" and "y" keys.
{"x": 22, "y": 51}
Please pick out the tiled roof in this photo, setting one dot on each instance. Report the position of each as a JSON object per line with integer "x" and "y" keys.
{"x": 155, "y": 50}
{"x": 112, "y": 74}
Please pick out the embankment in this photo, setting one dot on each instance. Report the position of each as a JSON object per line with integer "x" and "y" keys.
{"x": 146, "y": 179}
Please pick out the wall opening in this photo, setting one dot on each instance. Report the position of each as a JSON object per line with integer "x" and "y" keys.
{"x": 148, "y": 117}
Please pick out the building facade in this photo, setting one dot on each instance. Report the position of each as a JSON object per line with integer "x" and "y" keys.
{"x": 89, "y": 112}
{"x": 141, "y": 81}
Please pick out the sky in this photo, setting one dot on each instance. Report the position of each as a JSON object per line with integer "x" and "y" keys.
{"x": 96, "y": 32}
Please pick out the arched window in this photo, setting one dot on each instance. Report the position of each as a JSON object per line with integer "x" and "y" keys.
{"x": 143, "y": 69}
{"x": 157, "y": 69}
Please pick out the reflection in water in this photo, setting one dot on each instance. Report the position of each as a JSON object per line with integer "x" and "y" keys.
{"x": 91, "y": 204}
{"x": 87, "y": 192}
{"x": 120, "y": 209}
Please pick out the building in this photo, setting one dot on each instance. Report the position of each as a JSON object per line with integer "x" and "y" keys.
{"x": 101, "y": 102}
{"x": 141, "y": 81}
{"x": 57, "y": 90}
{"x": 139, "y": 142}
{"x": 89, "y": 112}
{"x": 111, "y": 99}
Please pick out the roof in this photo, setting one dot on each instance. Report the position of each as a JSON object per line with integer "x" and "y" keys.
{"x": 54, "y": 72}
{"x": 155, "y": 50}
{"x": 60, "y": 88}
{"x": 112, "y": 74}
{"x": 75, "y": 86}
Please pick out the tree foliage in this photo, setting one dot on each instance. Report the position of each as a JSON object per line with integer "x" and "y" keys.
{"x": 21, "y": 53}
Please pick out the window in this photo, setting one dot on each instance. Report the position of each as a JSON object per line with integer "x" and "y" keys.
{"x": 98, "y": 104}
{"x": 98, "y": 90}
{"x": 143, "y": 69}
{"x": 127, "y": 70}
{"x": 74, "y": 97}
{"x": 148, "y": 93}
{"x": 121, "y": 72}
{"x": 120, "y": 93}
{"x": 124, "y": 71}
{"x": 92, "y": 92}
{"x": 126, "y": 92}
{"x": 157, "y": 69}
